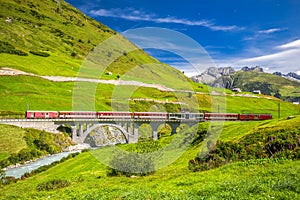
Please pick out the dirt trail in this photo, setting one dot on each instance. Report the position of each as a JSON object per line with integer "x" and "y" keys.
{"x": 14, "y": 72}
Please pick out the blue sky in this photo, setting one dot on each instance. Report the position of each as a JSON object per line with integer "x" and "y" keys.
{"x": 235, "y": 33}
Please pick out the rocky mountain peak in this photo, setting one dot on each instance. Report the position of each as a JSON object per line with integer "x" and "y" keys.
{"x": 254, "y": 69}
{"x": 212, "y": 75}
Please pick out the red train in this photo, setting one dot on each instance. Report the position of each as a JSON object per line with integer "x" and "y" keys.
{"x": 144, "y": 115}
{"x": 235, "y": 116}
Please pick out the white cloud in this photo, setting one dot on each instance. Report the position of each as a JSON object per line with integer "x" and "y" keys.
{"x": 272, "y": 30}
{"x": 137, "y": 15}
{"x": 294, "y": 44}
{"x": 286, "y": 60}
{"x": 262, "y": 34}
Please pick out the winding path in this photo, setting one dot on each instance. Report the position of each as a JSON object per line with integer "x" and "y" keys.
{"x": 13, "y": 72}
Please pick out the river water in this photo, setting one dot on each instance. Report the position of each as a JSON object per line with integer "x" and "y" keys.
{"x": 19, "y": 171}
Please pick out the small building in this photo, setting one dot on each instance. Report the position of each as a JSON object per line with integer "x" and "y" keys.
{"x": 236, "y": 90}
{"x": 256, "y": 92}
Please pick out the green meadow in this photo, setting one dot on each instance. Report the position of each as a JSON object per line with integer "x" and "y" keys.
{"x": 20, "y": 93}
{"x": 266, "y": 178}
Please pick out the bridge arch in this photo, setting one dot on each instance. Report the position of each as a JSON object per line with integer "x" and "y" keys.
{"x": 94, "y": 127}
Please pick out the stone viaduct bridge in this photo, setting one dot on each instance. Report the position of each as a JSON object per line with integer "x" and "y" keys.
{"x": 82, "y": 128}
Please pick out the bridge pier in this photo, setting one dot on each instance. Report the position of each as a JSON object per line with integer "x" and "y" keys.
{"x": 135, "y": 133}
{"x": 154, "y": 126}
{"x": 174, "y": 126}
{"x": 75, "y": 134}
{"x": 80, "y": 130}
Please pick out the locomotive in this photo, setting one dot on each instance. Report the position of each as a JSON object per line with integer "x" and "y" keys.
{"x": 144, "y": 115}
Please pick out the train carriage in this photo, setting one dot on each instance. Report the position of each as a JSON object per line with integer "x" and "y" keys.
{"x": 114, "y": 115}
{"x": 265, "y": 116}
{"x": 186, "y": 116}
{"x": 150, "y": 115}
{"x": 30, "y": 114}
{"x": 77, "y": 115}
{"x": 251, "y": 117}
{"x": 221, "y": 116}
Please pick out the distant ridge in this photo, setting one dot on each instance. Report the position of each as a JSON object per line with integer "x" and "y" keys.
{"x": 248, "y": 79}
{"x": 290, "y": 75}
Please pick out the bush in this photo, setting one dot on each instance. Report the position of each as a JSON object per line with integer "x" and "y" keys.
{"x": 9, "y": 179}
{"x": 53, "y": 184}
{"x": 129, "y": 164}
{"x": 201, "y": 133}
{"x": 5, "y": 47}
{"x": 2, "y": 176}
{"x": 138, "y": 161}
{"x": 4, "y": 163}
{"x": 73, "y": 54}
{"x": 39, "y": 53}
{"x": 260, "y": 145}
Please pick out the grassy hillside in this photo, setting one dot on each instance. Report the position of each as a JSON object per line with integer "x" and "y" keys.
{"x": 12, "y": 140}
{"x": 47, "y": 38}
{"x": 252, "y": 179}
{"x": 25, "y": 92}
{"x": 20, "y": 145}
{"x": 274, "y": 139}
{"x": 269, "y": 84}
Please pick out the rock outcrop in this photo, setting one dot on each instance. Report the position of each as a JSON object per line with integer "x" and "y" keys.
{"x": 217, "y": 77}
{"x": 254, "y": 69}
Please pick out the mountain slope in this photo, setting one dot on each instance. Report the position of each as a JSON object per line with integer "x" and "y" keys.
{"x": 50, "y": 38}
{"x": 269, "y": 84}
{"x": 249, "y": 79}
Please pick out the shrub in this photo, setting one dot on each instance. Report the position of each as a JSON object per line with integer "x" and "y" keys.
{"x": 5, "y": 47}
{"x": 73, "y": 54}
{"x": 260, "y": 145}
{"x": 201, "y": 133}
{"x": 39, "y": 53}
{"x": 4, "y": 163}
{"x": 2, "y": 175}
{"x": 53, "y": 184}
{"x": 138, "y": 161}
{"x": 9, "y": 179}
{"x": 130, "y": 164}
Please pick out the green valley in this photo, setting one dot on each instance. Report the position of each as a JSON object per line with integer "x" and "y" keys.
{"x": 55, "y": 58}
{"x": 249, "y": 179}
